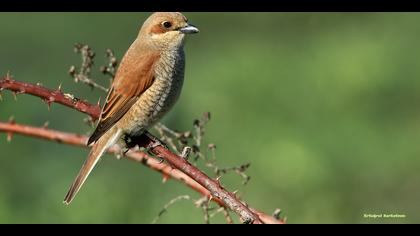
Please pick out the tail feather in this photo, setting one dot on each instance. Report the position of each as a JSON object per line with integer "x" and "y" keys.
{"x": 95, "y": 154}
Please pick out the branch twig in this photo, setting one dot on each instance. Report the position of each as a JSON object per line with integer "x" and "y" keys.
{"x": 111, "y": 67}
{"x": 83, "y": 75}
{"x": 170, "y": 203}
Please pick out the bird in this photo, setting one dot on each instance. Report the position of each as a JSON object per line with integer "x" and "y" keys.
{"x": 147, "y": 84}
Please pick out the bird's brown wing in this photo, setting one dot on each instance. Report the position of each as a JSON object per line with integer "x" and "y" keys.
{"x": 135, "y": 75}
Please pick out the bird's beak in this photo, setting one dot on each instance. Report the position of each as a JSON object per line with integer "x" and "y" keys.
{"x": 189, "y": 29}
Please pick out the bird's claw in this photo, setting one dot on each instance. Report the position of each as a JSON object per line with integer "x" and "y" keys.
{"x": 155, "y": 143}
{"x": 150, "y": 153}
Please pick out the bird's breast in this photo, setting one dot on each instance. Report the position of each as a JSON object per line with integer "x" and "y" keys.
{"x": 156, "y": 101}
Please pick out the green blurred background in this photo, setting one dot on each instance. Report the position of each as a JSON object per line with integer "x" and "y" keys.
{"x": 325, "y": 106}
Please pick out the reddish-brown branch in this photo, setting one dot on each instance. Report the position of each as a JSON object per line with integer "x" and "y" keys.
{"x": 213, "y": 186}
{"x": 50, "y": 96}
{"x": 141, "y": 157}
{"x": 186, "y": 172}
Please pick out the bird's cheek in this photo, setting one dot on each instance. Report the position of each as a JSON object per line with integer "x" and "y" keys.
{"x": 157, "y": 29}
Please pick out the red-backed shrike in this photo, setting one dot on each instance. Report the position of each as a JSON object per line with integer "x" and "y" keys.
{"x": 147, "y": 84}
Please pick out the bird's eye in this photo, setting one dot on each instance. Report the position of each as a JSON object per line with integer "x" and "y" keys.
{"x": 167, "y": 24}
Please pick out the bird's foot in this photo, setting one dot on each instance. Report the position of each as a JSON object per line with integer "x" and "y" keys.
{"x": 156, "y": 142}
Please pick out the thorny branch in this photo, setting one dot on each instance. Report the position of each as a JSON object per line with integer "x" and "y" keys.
{"x": 50, "y": 96}
{"x": 178, "y": 167}
{"x": 140, "y": 157}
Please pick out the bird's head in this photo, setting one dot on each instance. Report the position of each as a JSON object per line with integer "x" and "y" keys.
{"x": 166, "y": 30}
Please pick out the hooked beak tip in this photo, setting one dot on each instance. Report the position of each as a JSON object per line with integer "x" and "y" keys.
{"x": 189, "y": 29}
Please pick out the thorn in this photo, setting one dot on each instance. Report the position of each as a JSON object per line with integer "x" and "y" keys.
{"x": 48, "y": 101}
{"x": 38, "y": 84}
{"x": 218, "y": 179}
{"x": 1, "y": 97}
{"x": 59, "y": 88}
{"x": 9, "y": 136}
{"x": 235, "y": 192}
{"x": 8, "y": 76}
{"x": 165, "y": 178}
{"x": 12, "y": 120}
{"x": 46, "y": 124}
{"x": 99, "y": 101}
{"x": 210, "y": 198}
{"x": 14, "y": 95}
